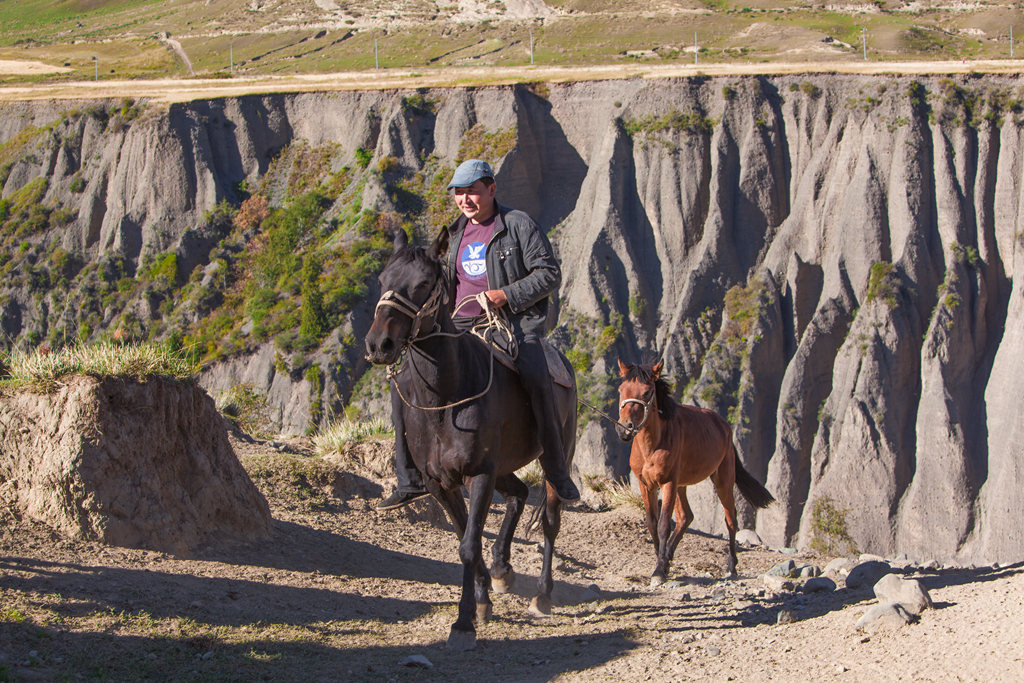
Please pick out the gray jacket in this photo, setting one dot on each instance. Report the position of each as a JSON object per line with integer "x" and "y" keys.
{"x": 520, "y": 262}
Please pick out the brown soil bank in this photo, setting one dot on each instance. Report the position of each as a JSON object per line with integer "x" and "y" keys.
{"x": 144, "y": 465}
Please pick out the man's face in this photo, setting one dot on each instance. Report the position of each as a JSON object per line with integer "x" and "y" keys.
{"x": 476, "y": 202}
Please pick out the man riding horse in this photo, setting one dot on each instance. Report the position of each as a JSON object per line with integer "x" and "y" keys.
{"x": 503, "y": 254}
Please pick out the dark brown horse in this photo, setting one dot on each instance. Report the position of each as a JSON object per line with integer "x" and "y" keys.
{"x": 675, "y": 446}
{"x": 461, "y": 426}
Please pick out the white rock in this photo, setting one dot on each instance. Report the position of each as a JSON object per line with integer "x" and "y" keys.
{"x": 417, "y": 660}
{"x": 886, "y": 616}
{"x": 748, "y": 537}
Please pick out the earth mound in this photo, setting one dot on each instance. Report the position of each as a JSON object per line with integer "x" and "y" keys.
{"x": 127, "y": 463}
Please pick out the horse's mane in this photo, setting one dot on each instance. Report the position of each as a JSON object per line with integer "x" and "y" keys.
{"x": 644, "y": 372}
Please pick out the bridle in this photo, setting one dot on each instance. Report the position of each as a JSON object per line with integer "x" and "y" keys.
{"x": 419, "y": 315}
{"x": 633, "y": 431}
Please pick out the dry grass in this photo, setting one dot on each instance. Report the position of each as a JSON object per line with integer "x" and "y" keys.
{"x": 42, "y": 369}
{"x": 615, "y": 492}
{"x": 333, "y": 437}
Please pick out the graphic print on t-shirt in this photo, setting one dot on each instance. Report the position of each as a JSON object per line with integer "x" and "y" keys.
{"x": 473, "y": 261}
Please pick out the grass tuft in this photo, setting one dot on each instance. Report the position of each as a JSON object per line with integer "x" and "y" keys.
{"x": 42, "y": 370}
{"x": 334, "y": 436}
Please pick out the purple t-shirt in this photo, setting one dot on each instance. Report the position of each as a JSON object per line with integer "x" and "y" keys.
{"x": 471, "y": 265}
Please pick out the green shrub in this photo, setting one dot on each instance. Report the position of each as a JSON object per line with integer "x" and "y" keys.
{"x": 883, "y": 284}
{"x": 828, "y": 526}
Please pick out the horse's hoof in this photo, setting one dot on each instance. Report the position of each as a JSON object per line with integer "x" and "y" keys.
{"x": 540, "y": 606}
{"x": 461, "y": 641}
{"x": 503, "y": 584}
{"x": 483, "y": 612}
{"x": 657, "y": 580}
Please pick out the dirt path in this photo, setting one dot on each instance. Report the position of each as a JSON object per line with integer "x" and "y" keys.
{"x": 342, "y": 593}
{"x": 181, "y": 90}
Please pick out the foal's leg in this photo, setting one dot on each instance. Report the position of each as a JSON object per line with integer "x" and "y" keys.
{"x": 475, "y": 580}
{"x": 515, "y": 493}
{"x": 649, "y": 495}
{"x": 668, "y": 501}
{"x": 724, "y": 490}
{"x": 551, "y": 522}
{"x": 684, "y": 515}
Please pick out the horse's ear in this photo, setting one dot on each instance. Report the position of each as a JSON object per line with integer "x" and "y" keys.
{"x": 401, "y": 239}
{"x": 623, "y": 369}
{"x": 656, "y": 370}
{"x": 439, "y": 247}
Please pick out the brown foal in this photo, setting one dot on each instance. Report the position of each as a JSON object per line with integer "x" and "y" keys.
{"x": 675, "y": 446}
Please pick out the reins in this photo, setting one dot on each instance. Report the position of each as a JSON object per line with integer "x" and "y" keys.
{"x": 494, "y": 323}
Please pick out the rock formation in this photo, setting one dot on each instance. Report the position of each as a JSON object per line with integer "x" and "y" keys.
{"x": 828, "y": 260}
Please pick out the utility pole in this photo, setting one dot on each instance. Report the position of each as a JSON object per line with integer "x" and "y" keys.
{"x": 695, "y": 48}
{"x": 376, "y": 55}
{"x": 1011, "y": 42}
{"x": 96, "y": 65}
{"x": 232, "y": 49}
{"x": 864, "y": 41}
{"x": 531, "y": 48}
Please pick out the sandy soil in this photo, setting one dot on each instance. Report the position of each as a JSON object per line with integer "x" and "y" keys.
{"x": 29, "y": 67}
{"x": 340, "y": 592}
{"x": 182, "y": 90}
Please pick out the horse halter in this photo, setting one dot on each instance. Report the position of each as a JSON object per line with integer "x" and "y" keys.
{"x": 419, "y": 314}
{"x": 633, "y": 431}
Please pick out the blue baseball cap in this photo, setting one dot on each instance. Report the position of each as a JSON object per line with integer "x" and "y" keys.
{"x": 469, "y": 172}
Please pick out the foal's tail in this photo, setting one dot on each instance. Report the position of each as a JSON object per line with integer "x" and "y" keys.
{"x": 756, "y": 494}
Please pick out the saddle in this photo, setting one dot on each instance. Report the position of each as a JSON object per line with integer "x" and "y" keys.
{"x": 560, "y": 374}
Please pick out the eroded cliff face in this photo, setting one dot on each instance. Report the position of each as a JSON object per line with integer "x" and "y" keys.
{"x": 829, "y": 261}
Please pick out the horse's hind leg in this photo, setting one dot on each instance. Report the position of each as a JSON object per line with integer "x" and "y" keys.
{"x": 551, "y": 522}
{"x": 515, "y": 493}
{"x": 684, "y": 515}
{"x": 723, "y": 486}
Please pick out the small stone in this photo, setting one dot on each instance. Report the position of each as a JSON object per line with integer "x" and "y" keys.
{"x": 788, "y": 551}
{"x": 867, "y": 574}
{"x": 207, "y": 655}
{"x": 886, "y": 616}
{"x": 787, "y": 569}
{"x": 686, "y": 640}
{"x": 713, "y": 651}
{"x": 748, "y": 537}
{"x": 907, "y": 592}
{"x": 819, "y": 584}
{"x": 785, "y": 616}
{"x": 673, "y": 584}
{"x": 809, "y": 571}
{"x": 841, "y": 669}
{"x": 777, "y": 583}
{"x": 417, "y": 661}
{"x": 930, "y": 565}
{"x": 683, "y": 597}
{"x": 868, "y": 557}
{"x": 718, "y": 594}
{"x": 840, "y": 566}
{"x": 33, "y": 654}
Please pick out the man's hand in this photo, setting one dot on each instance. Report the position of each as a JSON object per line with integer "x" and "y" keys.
{"x": 496, "y": 297}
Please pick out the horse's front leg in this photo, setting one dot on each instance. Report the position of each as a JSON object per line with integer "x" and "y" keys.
{"x": 668, "y": 501}
{"x": 551, "y": 522}
{"x": 515, "y": 493}
{"x": 475, "y": 581}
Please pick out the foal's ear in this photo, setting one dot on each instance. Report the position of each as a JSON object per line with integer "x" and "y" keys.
{"x": 439, "y": 247}
{"x": 401, "y": 239}
{"x": 623, "y": 369}
{"x": 656, "y": 370}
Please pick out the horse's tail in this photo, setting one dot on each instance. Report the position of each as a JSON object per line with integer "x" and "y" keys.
{"x": 756, "y": 494}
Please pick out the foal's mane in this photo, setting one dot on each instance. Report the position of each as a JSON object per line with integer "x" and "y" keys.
{"x": 644, "y": 372}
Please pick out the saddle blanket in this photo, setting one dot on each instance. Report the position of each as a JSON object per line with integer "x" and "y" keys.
{"x": 560, "y": 373}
